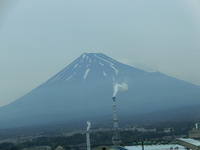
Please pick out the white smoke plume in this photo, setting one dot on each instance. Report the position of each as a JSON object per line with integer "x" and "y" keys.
{"x": 119, "y": 87}
{"x": 88, "y": 127}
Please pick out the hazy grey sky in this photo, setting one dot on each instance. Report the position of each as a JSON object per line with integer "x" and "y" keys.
{"x": 38, "y": 38}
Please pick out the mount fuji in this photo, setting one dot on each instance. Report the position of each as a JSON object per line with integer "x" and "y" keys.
{"x": 83, "y": 90}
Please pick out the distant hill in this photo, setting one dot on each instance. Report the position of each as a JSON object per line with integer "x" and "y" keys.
{"x": 83, "y": 90}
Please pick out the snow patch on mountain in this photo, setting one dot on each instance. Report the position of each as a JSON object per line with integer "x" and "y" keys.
{"x": 75, "y": 66}
{"x": 101, "y": 64}
{"x": 116, "y": 71}
{"x": 83, "y": 56}
{"x": 86, "y": 73}
{"x": 110, "y": 64}
{"x": 104, "y": 74}
{"x": 103, "y": 59}
{"x": 55, "y": 78}
{"x": 70, "y": 77}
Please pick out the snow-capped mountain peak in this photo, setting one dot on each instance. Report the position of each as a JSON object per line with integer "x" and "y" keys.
{"x": 89, "y": 66}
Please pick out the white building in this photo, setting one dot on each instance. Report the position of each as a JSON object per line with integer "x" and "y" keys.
{"x": 156, "y": 147}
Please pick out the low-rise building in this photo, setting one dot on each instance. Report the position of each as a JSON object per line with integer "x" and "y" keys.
{"x": 189, "y": 143}
{"x": 38, "y": 148}
{"x": 59, "y": 148}
{"x": 194, "y": 134}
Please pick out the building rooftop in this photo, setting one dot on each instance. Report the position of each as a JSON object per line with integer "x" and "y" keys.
{"x": 156, "y": 147}
{"x": 190, "y": 141}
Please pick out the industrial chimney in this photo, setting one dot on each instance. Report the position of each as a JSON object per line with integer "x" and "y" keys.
{"x": 116, "y": 134}
{"x": 88, "y": 136}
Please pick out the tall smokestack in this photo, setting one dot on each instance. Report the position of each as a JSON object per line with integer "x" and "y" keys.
{"x": 88, "y": 136}
{"x": 116, "y": 140}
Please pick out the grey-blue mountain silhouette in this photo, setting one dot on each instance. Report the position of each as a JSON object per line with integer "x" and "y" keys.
{"x": 83, "y": 90}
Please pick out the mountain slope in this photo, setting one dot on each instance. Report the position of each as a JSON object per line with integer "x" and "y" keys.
{"x": 83, "y": 90}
